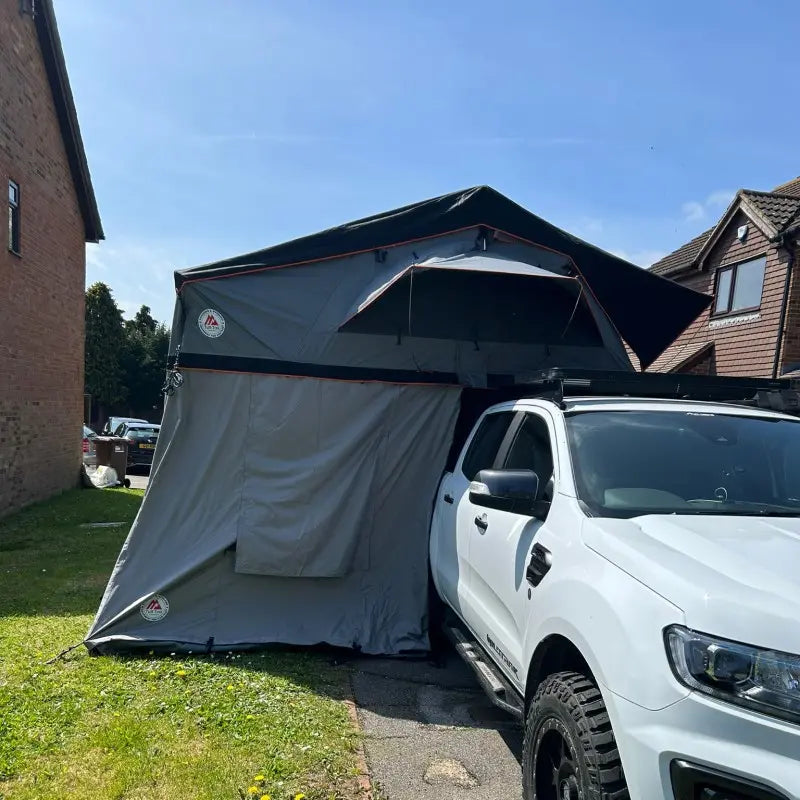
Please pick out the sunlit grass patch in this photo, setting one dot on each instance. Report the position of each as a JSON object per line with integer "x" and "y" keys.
{"x": 224, "y": 726}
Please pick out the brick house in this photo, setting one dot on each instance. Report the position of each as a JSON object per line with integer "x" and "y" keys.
{"x": 748, "y": 262}
{"x": 51, "y": 213}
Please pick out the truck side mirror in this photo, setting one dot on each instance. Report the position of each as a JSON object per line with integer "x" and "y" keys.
{"x": 512, "y": 490}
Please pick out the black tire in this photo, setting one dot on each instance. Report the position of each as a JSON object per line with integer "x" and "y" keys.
{"x": 569, "y": 745}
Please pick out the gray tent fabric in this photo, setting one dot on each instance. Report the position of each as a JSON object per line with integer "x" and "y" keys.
{"x": 294, "y": 316}
{"x": 313, "y": 411}
{"x": 179, "y": 545}
{"x": 648, "y": 311}
{"x": 325, "y": 505}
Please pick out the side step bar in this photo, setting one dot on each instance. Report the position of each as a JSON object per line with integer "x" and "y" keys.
{"x": 493, "y": 682}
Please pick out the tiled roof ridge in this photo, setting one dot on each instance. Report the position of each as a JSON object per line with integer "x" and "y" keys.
{"x": 685, "y": 255}
{"x": 783, "y": 195}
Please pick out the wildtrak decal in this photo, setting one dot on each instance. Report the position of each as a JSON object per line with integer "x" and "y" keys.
{"x": 503, "y": 657}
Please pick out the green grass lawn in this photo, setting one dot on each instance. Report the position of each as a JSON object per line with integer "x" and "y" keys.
{"x": 224, "y": 726}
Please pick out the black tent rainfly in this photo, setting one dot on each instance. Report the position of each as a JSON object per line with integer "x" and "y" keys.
{"x": 320, "y": 386}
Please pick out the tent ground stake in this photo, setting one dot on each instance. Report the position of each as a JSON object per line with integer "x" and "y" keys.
{"x": 63, "y": 653}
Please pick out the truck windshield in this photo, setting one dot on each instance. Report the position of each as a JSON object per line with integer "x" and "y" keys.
{"x": 630, "y": 463}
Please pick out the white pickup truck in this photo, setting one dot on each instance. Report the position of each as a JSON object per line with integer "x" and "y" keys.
{"x": 624, "y": 575}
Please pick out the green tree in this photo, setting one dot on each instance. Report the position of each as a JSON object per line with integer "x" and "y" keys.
{"x": 105, "y": 338}
{"x": 142, "y": 323}
{"x": 144, "y": 361}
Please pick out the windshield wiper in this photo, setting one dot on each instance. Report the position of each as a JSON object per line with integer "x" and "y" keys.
{"x": 734, "y": 509}
{"x": 744, "y": 509}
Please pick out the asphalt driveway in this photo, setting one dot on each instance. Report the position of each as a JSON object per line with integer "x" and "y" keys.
{"x": 429, "y": 729}
{"x": 431, "y": 732}
{"x": 139, "y": 477}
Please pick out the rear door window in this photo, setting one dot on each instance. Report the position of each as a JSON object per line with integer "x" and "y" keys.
{"x": 531, "y": 449}
{"x": 486, "y": 443}
{"x": 142, "y": 433}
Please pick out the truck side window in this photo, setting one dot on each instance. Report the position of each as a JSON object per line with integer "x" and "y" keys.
{"x": 486, "y": 442}
{"x": 531, "y": 450}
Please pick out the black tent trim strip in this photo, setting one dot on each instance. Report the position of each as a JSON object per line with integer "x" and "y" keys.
{"x": 299, "y": 369}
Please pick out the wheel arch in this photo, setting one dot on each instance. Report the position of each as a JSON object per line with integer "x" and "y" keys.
{"x": 555, "y": 653}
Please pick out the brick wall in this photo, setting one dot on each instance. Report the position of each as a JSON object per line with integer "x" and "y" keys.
{"x": 705, "y": 364}
{"x": 744, "y": 346}
{"x": 41, "y": 301}
{"x": 790, "y": 353}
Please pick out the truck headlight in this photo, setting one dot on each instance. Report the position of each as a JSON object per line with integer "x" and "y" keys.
{"x": 762, "y": 680}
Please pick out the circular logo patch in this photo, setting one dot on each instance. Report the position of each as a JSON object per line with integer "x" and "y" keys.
{"x": 211, "y": 323}
{"x": 155, "y": 609}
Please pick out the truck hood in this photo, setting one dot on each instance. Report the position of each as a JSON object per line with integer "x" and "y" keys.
{"x": 733, "y": 577}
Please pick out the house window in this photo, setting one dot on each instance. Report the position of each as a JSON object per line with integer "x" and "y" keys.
{"x": 739, "y": 287}
{"x": 13, "y": 217}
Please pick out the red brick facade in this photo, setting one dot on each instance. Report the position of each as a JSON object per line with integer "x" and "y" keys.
{"x": 741, "y": 344}
{"x": 42, "y": 297}
{"x": 790, "y": 347}
{"x": 704, "y": 364}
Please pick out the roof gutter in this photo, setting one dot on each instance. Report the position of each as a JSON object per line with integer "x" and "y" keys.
{"x": 56, "y": 68}
{"x": 784, "y": 303}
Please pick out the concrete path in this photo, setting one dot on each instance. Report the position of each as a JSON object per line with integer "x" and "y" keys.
{"x": 432, "y": 733}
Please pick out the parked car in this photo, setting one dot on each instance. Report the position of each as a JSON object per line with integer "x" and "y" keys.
{"x": 622, "y": 574}
{"x": 114, "y": 422}
{"x": 89, "y": 454}
{"x": 142, "y": 438}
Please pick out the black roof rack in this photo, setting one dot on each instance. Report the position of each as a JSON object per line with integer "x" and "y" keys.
{"x": 557, "y": 383}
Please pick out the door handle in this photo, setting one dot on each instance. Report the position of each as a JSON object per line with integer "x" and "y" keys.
{"x": 539, "y": 566}
{"x": 482, "y": 522}
{"x": 448, "y": 498}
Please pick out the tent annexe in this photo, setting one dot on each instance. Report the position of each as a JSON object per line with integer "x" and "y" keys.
{"x": 318, "y": 389}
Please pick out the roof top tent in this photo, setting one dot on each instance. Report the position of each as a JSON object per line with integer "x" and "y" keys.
{"x": 317, "y": 386}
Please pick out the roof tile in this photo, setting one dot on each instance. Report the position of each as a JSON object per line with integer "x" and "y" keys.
{"x": 677, "y": 354}
{"x": 791, "y": 187}
{"x": 683, "y": 256}
{"x": 779, "y": 209}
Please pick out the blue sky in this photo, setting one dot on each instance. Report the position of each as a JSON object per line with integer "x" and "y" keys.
{"x": 214, "y": 128}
